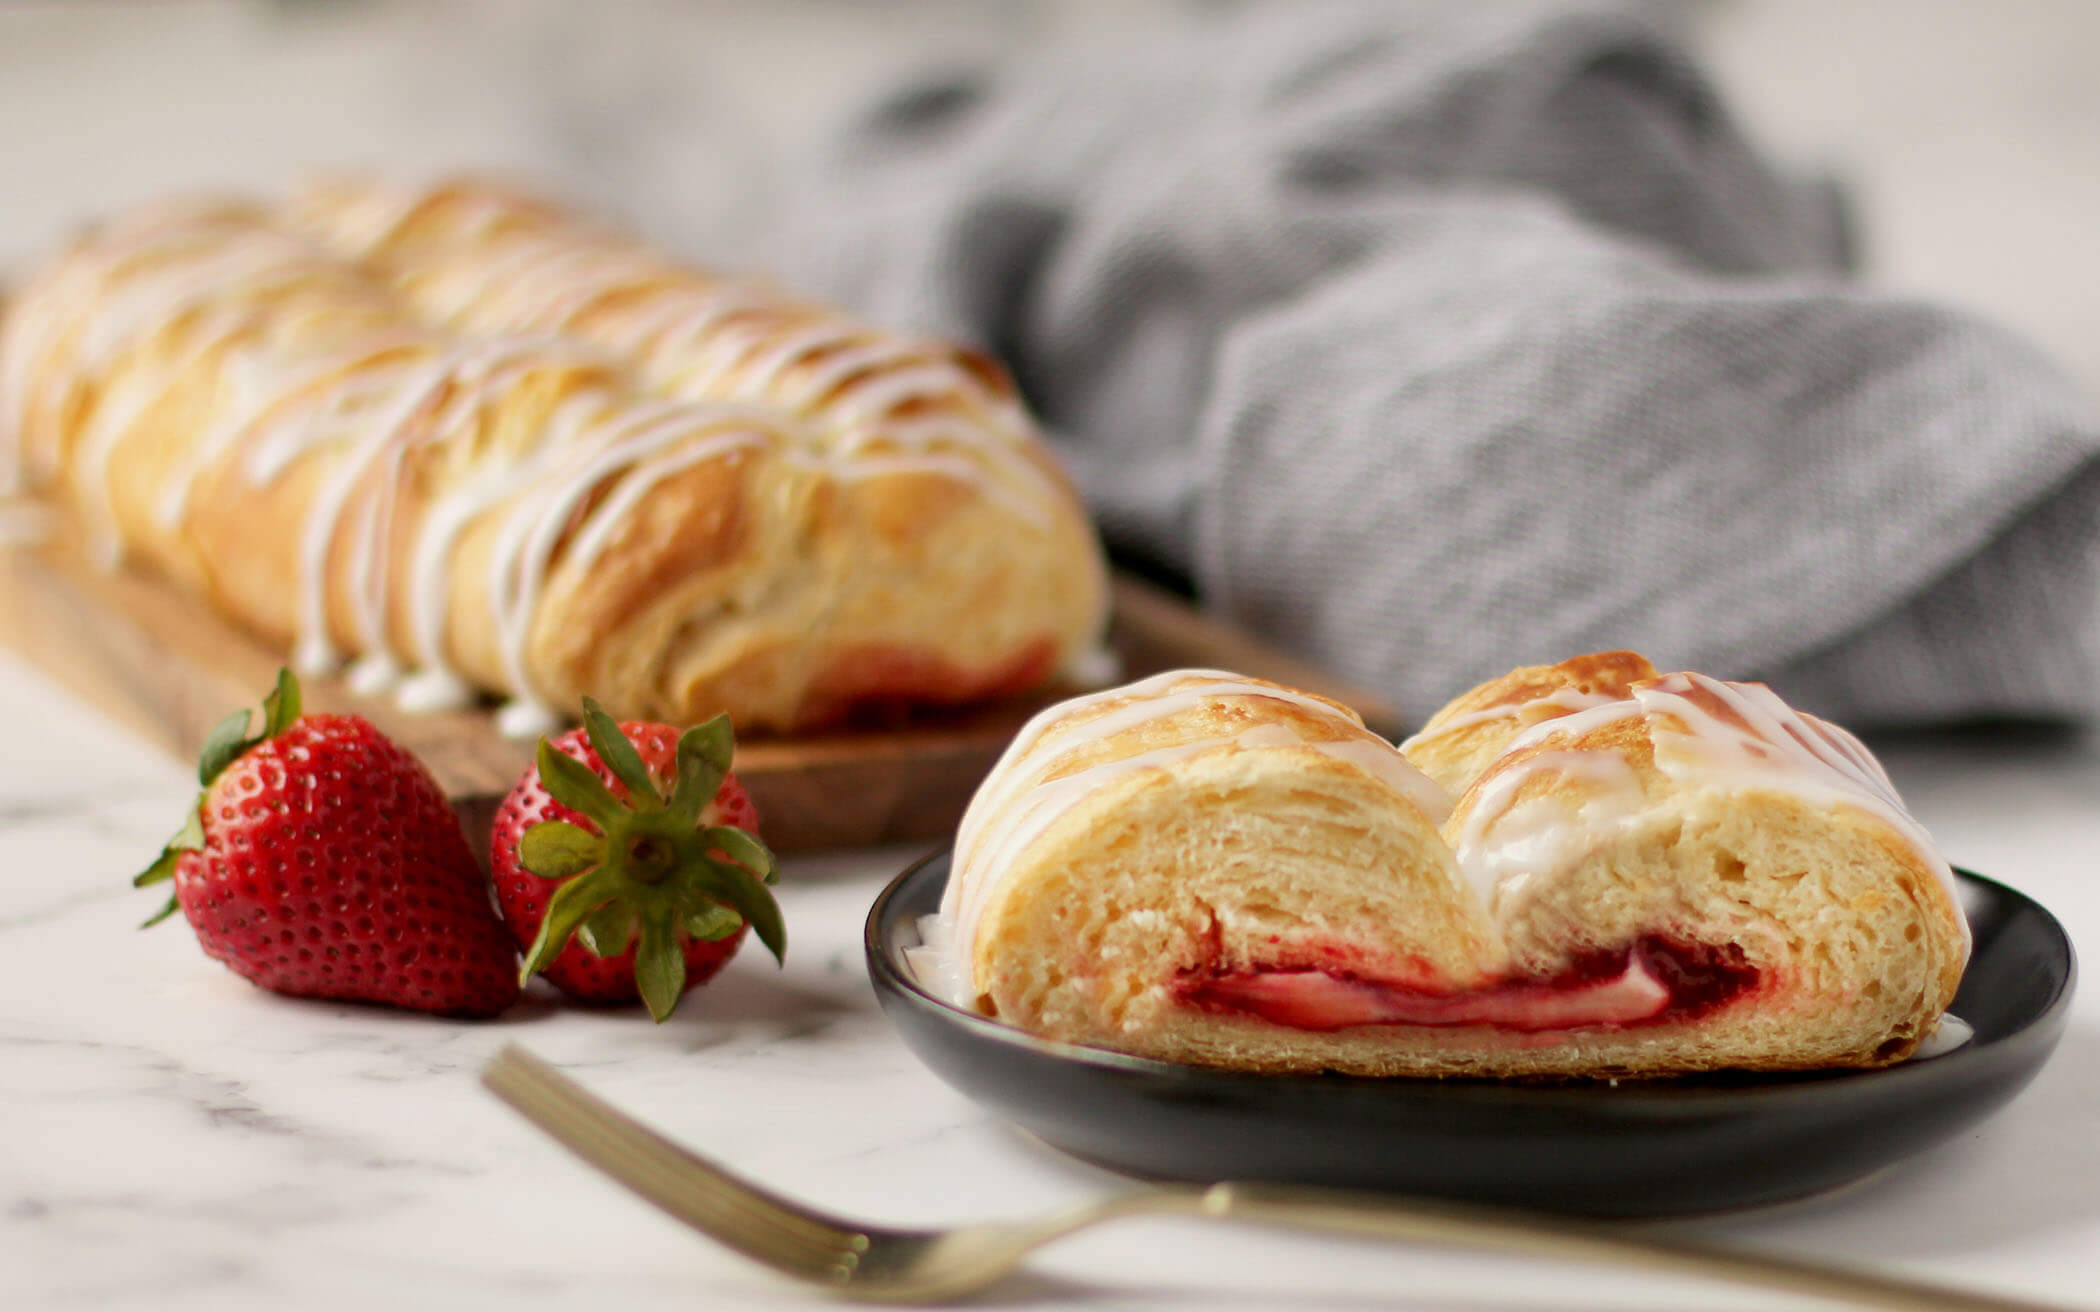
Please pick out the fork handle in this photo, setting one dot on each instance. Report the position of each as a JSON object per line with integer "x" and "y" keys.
{"x": 1461, "y": 1226}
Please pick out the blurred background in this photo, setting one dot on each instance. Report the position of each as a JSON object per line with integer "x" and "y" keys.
{"x": 1424, "y": 339}
{"x": 1964, "y": 134}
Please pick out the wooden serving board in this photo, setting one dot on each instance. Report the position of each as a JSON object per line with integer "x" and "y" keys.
{"x": 163, "y": 663}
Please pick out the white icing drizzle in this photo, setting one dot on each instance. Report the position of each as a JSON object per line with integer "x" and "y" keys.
{"x": 1018, "y": 800}
{"x": 1148, "y": 699}
{"x": 437, "y": 684}
{"x": 708, "y": 339}
{"x": 147, "y": 300}
{"x": 609, "y": 274}
{"x": 1540, "y": 834}
{"x": 524, "y": 719}
{"x": 873, "y": 396}
{"x": 374, "y": 674}
{"x": 527, "y": 537}
{"x": 139, "y": 284}
{"x": 366, "y": 214}
{"x": 1377, "y": 758}
{"x": 379, "y": 670}
{"x": 849, "y": 388}
{"x": 372, "y": 401}
{"x": 713, "y": 365}
{"x": 764, "y": 361}
{"x": 1562, "y": 700}
{"x": 937, "y": 462}
{"x": 1776, "y": 747}
{"x": 54, "y": 305}
{"x": 611, "y": 514}
{"x": 932, "y": 959}
{"x": 1950, "y": 1034}
{"x": 261, "y": 389}
{"x": 432, "y": 400}
{"x": 852, "y": 353}
{"x": 117, "y": 408}
{"x": 143, "y": 277}
{"x": 659, "y": 328}
{"x": 314, "y": 651}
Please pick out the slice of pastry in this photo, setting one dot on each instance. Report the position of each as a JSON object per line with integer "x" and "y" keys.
{"x": 1138, "y": 850}
{"x": 1691, "y": 877}
{"x": 974, "y": 569}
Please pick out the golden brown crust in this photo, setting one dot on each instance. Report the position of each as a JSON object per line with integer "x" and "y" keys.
{"x": 1456, "y": 743}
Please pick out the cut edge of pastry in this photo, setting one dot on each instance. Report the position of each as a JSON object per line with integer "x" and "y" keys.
{"x": 1629, "y": 889}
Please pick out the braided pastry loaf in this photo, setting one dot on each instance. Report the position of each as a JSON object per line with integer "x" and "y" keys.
{"x": 1645, "y": 875}
{"x": 935, "y": 469}
{"x": 470, "y": 504}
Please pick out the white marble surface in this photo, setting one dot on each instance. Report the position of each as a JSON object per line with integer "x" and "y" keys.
{"x": 171, "y": 1138}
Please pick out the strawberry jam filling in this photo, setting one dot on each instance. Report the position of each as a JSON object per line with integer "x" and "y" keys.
{"x": 1653, "y": 979}
{"x": 879, "y": 684}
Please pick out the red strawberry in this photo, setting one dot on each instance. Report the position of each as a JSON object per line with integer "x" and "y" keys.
{"x": 628, "y": 864}
{"x": 321, "y": 860}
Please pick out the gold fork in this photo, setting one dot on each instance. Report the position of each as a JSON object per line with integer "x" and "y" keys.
{"x": 904, "y": 1266}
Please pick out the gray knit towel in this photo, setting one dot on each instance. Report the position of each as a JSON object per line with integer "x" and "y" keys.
{"x": 1432, "y": 339}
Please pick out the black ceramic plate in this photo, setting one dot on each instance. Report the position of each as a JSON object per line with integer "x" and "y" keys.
{"x": 1641, "y": 1148}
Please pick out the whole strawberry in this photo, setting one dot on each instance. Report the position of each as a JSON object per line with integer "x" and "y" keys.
{"x": 627, "y": 861}
{"x": 321, "y": 860}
